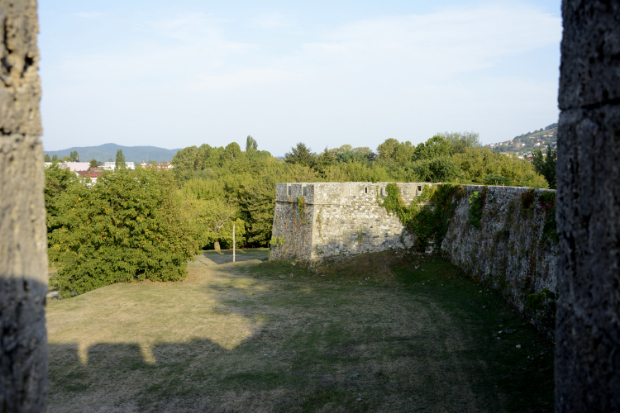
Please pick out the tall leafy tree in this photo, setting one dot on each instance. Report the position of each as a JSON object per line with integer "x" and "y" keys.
{"x": 545, "y": 165}
{"x": 93, "y": 163}
{"x": 538, "y": 161}
{"x": 120, "y": 160}
{"x": 184, "y": 162}
{"x": 74, "y": 156}
{"x": 211, "y": 220}
{"x": 232, "y": 151}
{"x": 404, "y": 153}
{"x": 250, "y": 144}
{"x": 386, "y": 149}
{"x": 300, "y": 155}
{"x": 460, "y": 141}
{"x": 326, "y": 160}
{"x": 435, "y": 147}
{"x": 57, "y": 181}
{"x": 47, "y": 158}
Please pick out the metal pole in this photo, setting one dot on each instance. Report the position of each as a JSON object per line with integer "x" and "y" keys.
{"x": 233, "y": 242}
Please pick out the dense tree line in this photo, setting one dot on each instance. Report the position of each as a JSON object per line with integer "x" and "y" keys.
{"x": 146, "y": 224}
{"x": 222, "y": 185}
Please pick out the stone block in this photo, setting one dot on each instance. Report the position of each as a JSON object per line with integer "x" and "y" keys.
{"x": 590, "y": 67}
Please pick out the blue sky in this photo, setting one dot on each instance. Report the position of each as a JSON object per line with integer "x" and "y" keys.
{"x": 327, "y": 73}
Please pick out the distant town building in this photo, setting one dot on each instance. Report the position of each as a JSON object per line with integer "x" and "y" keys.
{"x": 159, "y": 166}
{"x": 93, "y": 174}
{"x": 110, "y": 166}
{"x": 75, "y": 166}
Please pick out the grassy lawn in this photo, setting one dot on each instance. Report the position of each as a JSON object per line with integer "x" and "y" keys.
{"x": 383, "y": 333}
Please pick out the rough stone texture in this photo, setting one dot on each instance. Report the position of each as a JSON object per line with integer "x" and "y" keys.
{"x": 314, "y": 221}
{"x": 23, "y": 255}
{"x": 590, "y": 64}
{"x": 588, "y": 170}
{"x": 510, "y": 251}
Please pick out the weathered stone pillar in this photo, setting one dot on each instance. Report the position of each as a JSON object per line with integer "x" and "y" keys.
{"x": 23, "y": 244}
{"x": 588, "y": 209}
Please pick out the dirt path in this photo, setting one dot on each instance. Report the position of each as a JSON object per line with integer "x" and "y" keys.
{"x": 271, "y": 337}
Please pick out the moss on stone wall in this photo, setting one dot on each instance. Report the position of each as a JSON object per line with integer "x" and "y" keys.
{"x": 476, "y": 204}
{"x": 428, "y": 218}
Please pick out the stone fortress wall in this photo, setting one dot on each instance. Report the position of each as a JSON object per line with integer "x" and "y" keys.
{"x": 513, "y": 250}
{"x": 313, "y": 221}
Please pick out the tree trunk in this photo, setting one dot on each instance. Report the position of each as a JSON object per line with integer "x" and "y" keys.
{"x": 23, "y": 239}
{"x": 587, "y": 372}
{"x": 216, "y": 245}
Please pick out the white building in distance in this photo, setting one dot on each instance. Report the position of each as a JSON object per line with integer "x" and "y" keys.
{"x": 73, "y": 166}
{"x": 110, "y": 166}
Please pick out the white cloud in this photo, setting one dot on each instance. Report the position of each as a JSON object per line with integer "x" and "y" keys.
{"x": 274, "y": 20}
{"x": 440, "y": 43}
{"x": 405, "y": 77}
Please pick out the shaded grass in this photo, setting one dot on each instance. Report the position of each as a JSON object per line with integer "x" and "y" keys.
{"x": 278, "y": 337}
{"x": 521, "y": 378}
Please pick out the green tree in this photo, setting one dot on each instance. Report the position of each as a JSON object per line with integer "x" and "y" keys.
{"x": 120, "y": 160}
{"x": 545, "y": 165}
{"x": 386, "y": 149}
{"x": 300, "y": 155}
{"x": 212, "y": 220}
{"x": 478, "y": 162}
{"x": 232, "y": 151}
{"x": 128, "y": 226}
{"x": 93, "y": 163}
{"x": 74, "y": 156}
{"x": 57, "y": 181}
{"x": 325, "y": 161}
{"x": 184, "y": 162}
{"x": 202, "y": 154}
{"x": 538, "y": 161}
{"x": 460, "y": 141}
{"x": 441, "y": 169}
{"x": 404, "y": 153}
{"x": 55, "y": 158}
{"x": 435, "y": 147}
{"x": 47, "y": 158}
{"x": 250, "y": 144}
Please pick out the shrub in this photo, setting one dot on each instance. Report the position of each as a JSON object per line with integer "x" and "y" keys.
{"x": 493, "y": 179}
{"x": 126, "y": 227}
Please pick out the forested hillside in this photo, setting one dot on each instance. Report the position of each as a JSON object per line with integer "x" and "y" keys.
{"x": 530, "y": 141}
{"x": 222, "y": 185}
{"x": 107, "y": 152}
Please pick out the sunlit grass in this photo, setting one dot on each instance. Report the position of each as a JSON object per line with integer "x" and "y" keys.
{"x": 361, "y": 336}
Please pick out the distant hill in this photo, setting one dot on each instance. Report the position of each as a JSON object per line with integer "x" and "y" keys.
{"x": 107, "y": 151}
{"x": 528, "y": 142}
